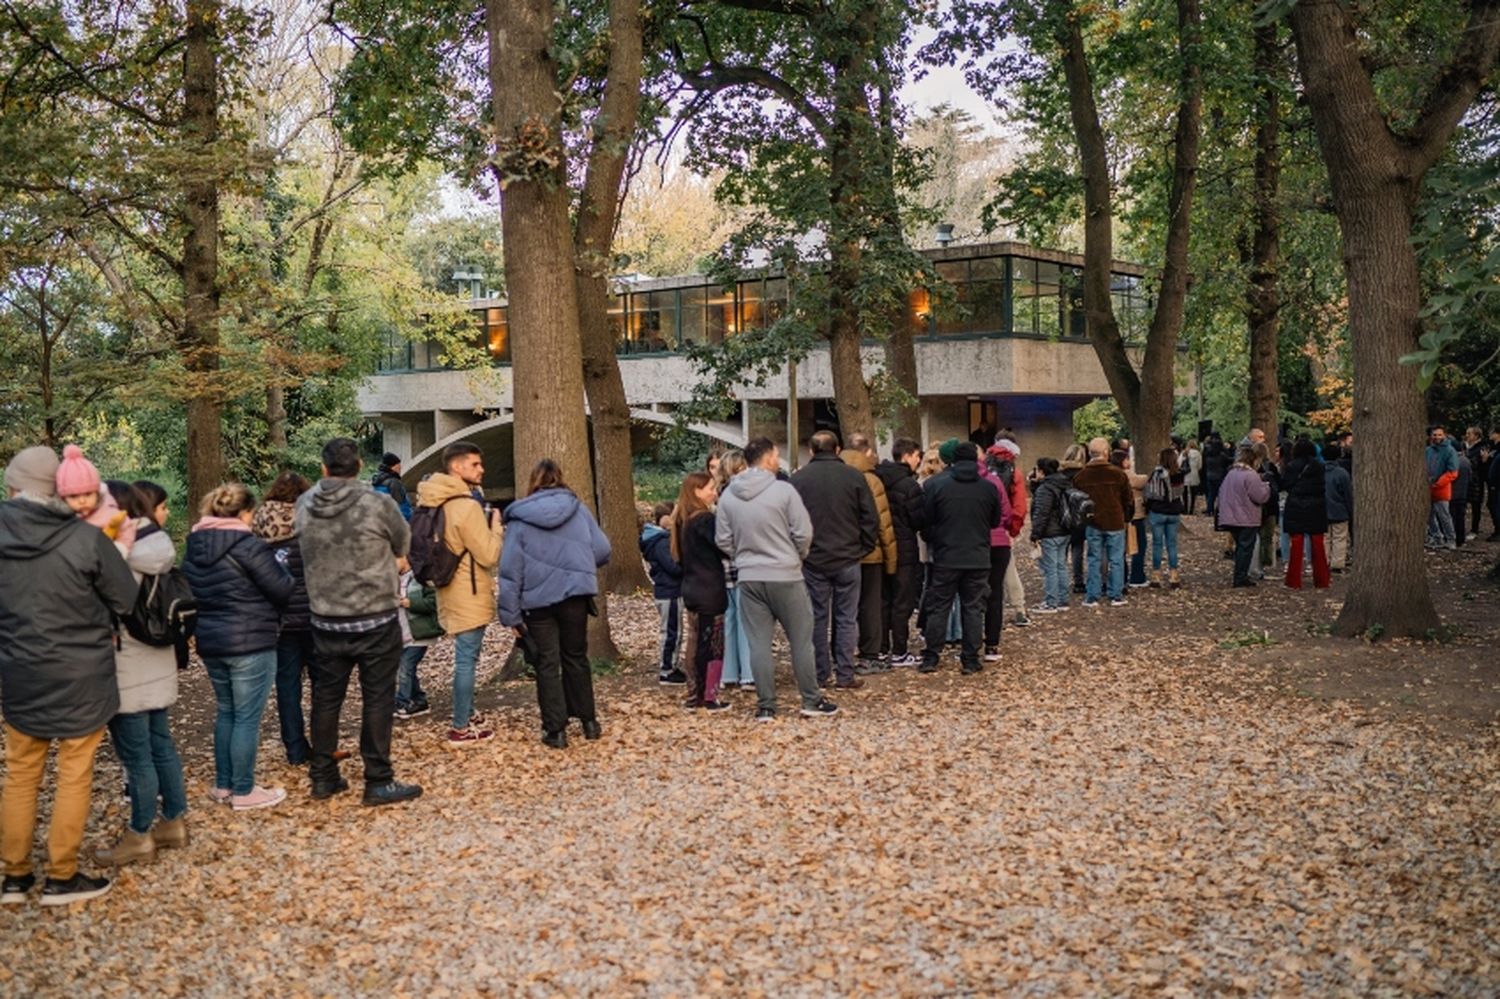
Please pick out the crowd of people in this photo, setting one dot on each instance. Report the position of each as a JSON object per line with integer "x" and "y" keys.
{"x": 317, "y": 582}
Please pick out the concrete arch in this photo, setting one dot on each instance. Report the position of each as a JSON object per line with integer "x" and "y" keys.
{"x": 496, "y": 436}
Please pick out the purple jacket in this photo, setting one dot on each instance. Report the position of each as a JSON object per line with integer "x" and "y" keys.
{"x": 1000, "y": 536}
{"x": 1240, "y": 498}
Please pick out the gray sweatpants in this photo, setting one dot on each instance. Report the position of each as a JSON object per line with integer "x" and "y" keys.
{"x": 762, "y": 606}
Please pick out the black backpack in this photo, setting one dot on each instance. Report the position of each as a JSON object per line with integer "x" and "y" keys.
{"x": 165, "y": 613}
{"x": 1076, "y": 509}
{"x": 433, "y": 563}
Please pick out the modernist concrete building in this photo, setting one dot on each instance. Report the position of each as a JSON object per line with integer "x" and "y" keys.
{"x": 1012, "y": 354}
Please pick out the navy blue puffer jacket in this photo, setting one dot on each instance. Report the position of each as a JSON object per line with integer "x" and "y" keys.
{"x": 240, "y": 588}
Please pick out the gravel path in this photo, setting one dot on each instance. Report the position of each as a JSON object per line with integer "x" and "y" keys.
{"x": 1094, "y": 816}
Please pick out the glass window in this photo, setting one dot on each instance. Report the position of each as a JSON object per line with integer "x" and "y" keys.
{"x": 1049, "y": 299}
{"x": 751, "y": 307}
{"x": 776, "y": 303}
{"x": 619, "y": 310}
{"x": 919, "y": 311}
{"x": 986, "y": 297}
{"x": 691, "y": 305}
{"x": 718, "y": 320}
{"x": 497, "y": 334}
{"x": 952, "y": 304}
{"x": 1023, "y": 295}
{"x": 1076, "y": 322}
{"x": 658, "y": 320}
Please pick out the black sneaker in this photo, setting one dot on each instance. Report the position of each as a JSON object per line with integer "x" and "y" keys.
{"x": 765, "y": 715}
{"x": 78, "y": 888}
{"x": 970, "y": 670}
{"x": 823, "y": 709}
{"x": 676, "y": 678}
{"x": 16, "y": 888}
{"x": 869, "y": 667}
{"x": 715, "y": 706}
{"x": 390, "y": 793}
{"x": 416, "y": 709}
{"x": 928, "y": 665}
{"x": 325, "y": 789}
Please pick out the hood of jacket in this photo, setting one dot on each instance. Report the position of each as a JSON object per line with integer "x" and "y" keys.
{"x": 30, "y": 528}
{"x": 153, "y": 552}
{"x": 890, "y": 472}
{"x": 548, "y": 509}
{"x": 333, "y": 497}
{"x": 650, "y": 534}
{"x": 965, "y": 471}
{"x": 440, "y": 487}
{"x": 209, "y": 546}
{"x": 751, "y": 483}
{"x": 859, "y": 459}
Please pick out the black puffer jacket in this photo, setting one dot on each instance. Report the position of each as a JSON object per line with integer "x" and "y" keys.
{"x": 703, "y": 587}
{"x": 60, "y": 579}
{"x": 240, "y": 588}
{"x": 908, "y": 512}
{"x": 962, "y": 510}
{"x": 1306, "y": 497}
{"x": 296, "y": 615}
{"x": 1047, "y": 507}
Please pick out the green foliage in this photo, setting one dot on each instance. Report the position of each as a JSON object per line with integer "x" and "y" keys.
{"x": 1247, "y": 639}
{"x": 1100, "y": 418}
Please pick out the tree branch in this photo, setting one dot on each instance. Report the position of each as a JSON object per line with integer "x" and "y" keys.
{"x": 1455, "y": 88}
{"x": 716, "y": 77}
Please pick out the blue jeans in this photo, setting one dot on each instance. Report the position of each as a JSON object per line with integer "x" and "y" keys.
{"x": 736, "y": 644}
{"x": 408, "y": 686}
{"x": 1108, "y": 546}
{"x": 242, "y": 685}
{"x": 143, "y": 741}
{"x": 1055, "y": 571}
{"x": 294, "y": 652}
{"x": 466, "y": 646}
{"x": 1164, "y": 528}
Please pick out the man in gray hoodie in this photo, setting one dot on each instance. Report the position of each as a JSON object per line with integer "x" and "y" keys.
{"x": 764, "y": 527}
{"x": 351, "y": 539}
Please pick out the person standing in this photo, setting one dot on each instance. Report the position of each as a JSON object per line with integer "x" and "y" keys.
{"x": 549, "y": 576}
{"x": 466, "y": 603}
{"x": 275, "y": 524}
{"x": 1241, "y": 496}
{"x": 996, "y": 468}
{"x": 388, "y": 480}
{"x": 60, "y": 582}
{"x": 1051, "y": 535}
{"x": 878, "y": 564}
{"x": 418, "y": 617}
{"x": 1338, "y": 492}
{"x": 141, "y": 732}
{"x": 1109, "y": 487}
{"x": 1442, "y": 468}
{"x": 1217, "y": 459}
{"x": 1004, "y": 459}
{"x": 1135, "y": 539}
{"x": 241, "y": 590}
{"x": 1163, "y": 495}
{"x": 1458, "y": 505}
{"x": 908, "y": 517}
{"x": 352, "y": 540}
{"x": 736, "y": 643}
{"x": 666, "y": 591}
{"x": 765, "y": 530}
{"x": 1492, "y": 485}
{"x": 1306, "y": 513}
{"x": 1191, "y": 464}
{"x": 841, "y": 504}
{"x": 962, "y": 511}
{"x": 1073, "y": 460}
{"x": 704, "y": 594}
{"x": 1479, "y": 461}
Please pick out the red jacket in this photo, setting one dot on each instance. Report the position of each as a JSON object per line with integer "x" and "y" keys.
{"x": 1442, "y": 487}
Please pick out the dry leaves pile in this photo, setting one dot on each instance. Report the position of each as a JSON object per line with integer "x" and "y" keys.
{"x": 1122, "y": 806}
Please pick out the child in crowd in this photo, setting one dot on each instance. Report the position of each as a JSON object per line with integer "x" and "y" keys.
{"x": 79, "y": 486}
{"x": 666, "y": 588}
{"x": 419, "y": 629}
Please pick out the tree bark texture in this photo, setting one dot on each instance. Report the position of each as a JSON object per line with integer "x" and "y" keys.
{"x": 1263, "y": 294}
{"x": 598, "y": 212}
{"x": 198, "y": 338}
{"x": 900, "y": 345}
{"x": 1376, "y": 176}
{"x": 1145, "y": 398}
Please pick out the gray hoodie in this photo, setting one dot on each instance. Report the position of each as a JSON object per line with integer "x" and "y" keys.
{"x": 764, "y": 528}
{"x": 350, "y": 537}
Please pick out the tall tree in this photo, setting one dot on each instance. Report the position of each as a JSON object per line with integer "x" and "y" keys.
{"x": 1377, "y": 157}
{"x": 1263, "y": 291}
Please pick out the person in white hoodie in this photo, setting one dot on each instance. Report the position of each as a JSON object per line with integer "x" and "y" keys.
{"x": 764, "y": 528}
{"x": 141, "y": 732}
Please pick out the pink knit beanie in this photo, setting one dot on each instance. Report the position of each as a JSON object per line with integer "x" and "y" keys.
{"x": 76, "y": 475}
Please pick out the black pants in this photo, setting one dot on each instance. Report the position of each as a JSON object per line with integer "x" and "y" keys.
{"x": 377, "y": 654}
{"x": 871, "y": 609}
{"x": 1458, "y": 510}
{"x": 1244, "y": 552}
{"x": 564, "y": 685}
{"x": 1495, "y": 505}
{"x": 901, "y": 594}
{"x": 994, "y": 604}
{"x": 1476, "y": 503}
{"x": 1077, "y": 545}
{"x": 972, "y": 588}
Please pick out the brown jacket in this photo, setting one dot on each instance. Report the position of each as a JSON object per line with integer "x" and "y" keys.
{"x": 1109, "y": 488}
{"x": 885, "y": 552}
{"x": 468, "y": 601}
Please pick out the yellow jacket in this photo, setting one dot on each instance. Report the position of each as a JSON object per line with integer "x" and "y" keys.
{"x": 468, "y": 601}
{"x": 885, "y": 552}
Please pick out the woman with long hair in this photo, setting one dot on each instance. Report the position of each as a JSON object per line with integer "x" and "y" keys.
{"x": 240, "y": 588}
{"x": 549, "y": 576}
{"x": 1306, "y": 514}
{"x": 274, "y": 523}
{"x": 703, "y": 587}
{"x": 1165, "y": 496}
{"x": 1073, "y": 459}
{"x": 736, "y": 640}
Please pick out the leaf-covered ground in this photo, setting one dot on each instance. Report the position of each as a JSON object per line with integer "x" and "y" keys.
{"x": 1198, "y": 794}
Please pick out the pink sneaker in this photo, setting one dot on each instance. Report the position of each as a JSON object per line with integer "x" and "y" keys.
{"x": 462, "y": 738}
{"x": 259, "y": 797}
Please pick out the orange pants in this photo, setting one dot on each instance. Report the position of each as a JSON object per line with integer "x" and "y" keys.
{"x": 25, "y": 762}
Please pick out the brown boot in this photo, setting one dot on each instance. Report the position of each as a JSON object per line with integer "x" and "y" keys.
{"x": 1174, "y": 580}
{"x": 1158, "y": 579}
{"x": 170, "y": 834}
{"x": 133, "y": 847}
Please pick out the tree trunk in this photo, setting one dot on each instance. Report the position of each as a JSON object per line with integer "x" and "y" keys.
{"x": 901, "y": 365}
{"x": 1263, "y": 295}
{"x": 547, "y": 366}
{"x": 276, "y": 419}
{"x": 900, "y": 345}
{"x": 198, "y": 339}
{"x": 1145, "y": 399}
{"x": 598, "y": 211}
